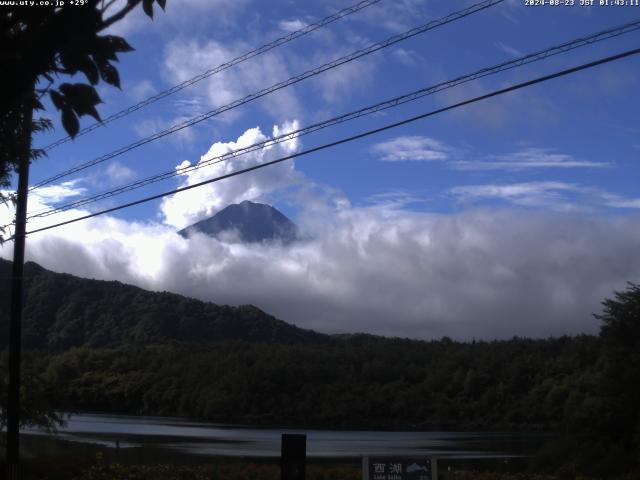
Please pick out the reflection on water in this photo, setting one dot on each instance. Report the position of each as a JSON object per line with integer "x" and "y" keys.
{"x": 198, "y": 438}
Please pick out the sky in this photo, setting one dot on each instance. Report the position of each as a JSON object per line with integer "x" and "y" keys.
{"x": 515, "y": 216}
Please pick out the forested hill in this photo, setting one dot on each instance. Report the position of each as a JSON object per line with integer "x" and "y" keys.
{"x": 105, "y": 346}
{"x": 63, "y": 311}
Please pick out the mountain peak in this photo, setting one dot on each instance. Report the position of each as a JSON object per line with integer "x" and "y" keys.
{"x": 250, "y": 221}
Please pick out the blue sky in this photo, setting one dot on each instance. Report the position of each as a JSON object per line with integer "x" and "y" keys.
{"x": 526, "y": 185}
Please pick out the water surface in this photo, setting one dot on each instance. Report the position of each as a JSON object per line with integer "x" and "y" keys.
{"x": 200, "y": 438}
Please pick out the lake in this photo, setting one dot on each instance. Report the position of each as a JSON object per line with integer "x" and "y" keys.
{"x": 193, "y": 438}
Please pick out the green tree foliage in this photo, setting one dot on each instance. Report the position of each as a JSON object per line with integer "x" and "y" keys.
{"x": 37, "y": 45}
{"x": 105, "y": 346}
{"x": 347, "y": 382}
{"x": 601, "y": 404}
{"x": 605, "y": 425}
{"x": 63, "y": 311}
{"x": 37, "y": 394}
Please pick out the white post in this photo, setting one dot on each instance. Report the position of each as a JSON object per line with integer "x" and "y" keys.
{"x": 365, "y": 468}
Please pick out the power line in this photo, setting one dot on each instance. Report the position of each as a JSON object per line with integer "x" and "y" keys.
{"x": 400, "y": 100}
{"x": 495, "y": 93}
{"x": 224, "y": 66}
{"x": 278, "y": 86}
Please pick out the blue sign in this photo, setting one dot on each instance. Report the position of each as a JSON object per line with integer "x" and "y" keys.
{"x": 389, "y": 468}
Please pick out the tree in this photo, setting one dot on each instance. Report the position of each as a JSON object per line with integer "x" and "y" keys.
{"x": 38, "y": 44}
{"x": 620, "y": 379}
{"x": 38, "y": 394}
{"x": 603, "y": 413}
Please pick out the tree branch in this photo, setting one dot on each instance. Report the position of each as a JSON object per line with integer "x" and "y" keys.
{"x": 119, "y": 16}
{"x": 107, "y": 6}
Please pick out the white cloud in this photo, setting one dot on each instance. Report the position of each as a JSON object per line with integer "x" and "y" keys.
{"x": 117, "y": 172}
{"x": 396, "y": 199}
{"x": 618, "y": 201}
{"x": 407, "y": 148}
{"x": 142, "y": 90}
{"x": 40, "y": 200}
{"x": 346, "y": 81}
{"x": 152, "y": 125}
{"x": 186, "y": 15}
{"x": 381, "y": 268}
{"x": 559, "y": 196}
{"x": 475, "y": 274}
{"x": 503, "y": 112}
{"x": 556, "y": 196}
{"x": 57, "y": 193}
{"x": 186, "y": 59}
{"x": 513, "y": 190}
{"x": 196, "y": 204}
{"x": 406, "y": 57}
{"x": 509, "y": 50}
{"x": 511, "y": 10}
{"x": 292, "y": 25}
{"x": 396, "y": 16}
{"x": 529, "y": 158}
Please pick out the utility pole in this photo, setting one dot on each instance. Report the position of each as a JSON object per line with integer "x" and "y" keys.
{"x": 15, "y": 322}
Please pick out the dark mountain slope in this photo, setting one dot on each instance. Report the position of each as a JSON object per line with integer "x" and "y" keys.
{"x": 64, "y": 311}
{"x": 253, "y": 222}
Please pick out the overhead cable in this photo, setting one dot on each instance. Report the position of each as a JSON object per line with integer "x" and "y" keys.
{"x": 400, "y": 100}
{"x": 278, "y": 86}
{"x": 224, "y": 66}
{"x": 368, "y": 133}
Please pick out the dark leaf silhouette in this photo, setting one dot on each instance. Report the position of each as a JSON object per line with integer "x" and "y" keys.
{"x": 57, "y": 99}
{"x": 75, "y": 61}
{"x": 70, "y": 122}
{"x": 82, "y": 98}
{"x": 110, "y": 75}
{"x": 147, "y": 6}
{"x": 119, "y": 44}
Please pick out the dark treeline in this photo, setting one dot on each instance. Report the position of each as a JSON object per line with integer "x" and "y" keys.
{"x": 355, "y": 382}
{"x": 105, "y": 346}
{"x": 552, "y": 385}
{"x": 64, "y": 311}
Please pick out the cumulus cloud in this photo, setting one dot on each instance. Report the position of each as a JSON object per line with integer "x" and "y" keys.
{"x": 378, "y": 268}
{"x": 58, "y": 193}
{"x": 475, "y": 274}
{"x": 39, "y": 201}
{"x": 194, "y": 205}
{"x": 142, "y": 90}
{"x": 407, "y": 148}
{"x": 152, "y": 125}
{"x": 396, "y": 16}
{"x": 349, "y": 79}
{"x": 185, "y": 59}
{"x": 187, "y": 13}
{"x": 117, "y": 172}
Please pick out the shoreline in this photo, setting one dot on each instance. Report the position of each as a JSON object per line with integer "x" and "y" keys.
{"x": 533, "y": 430}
